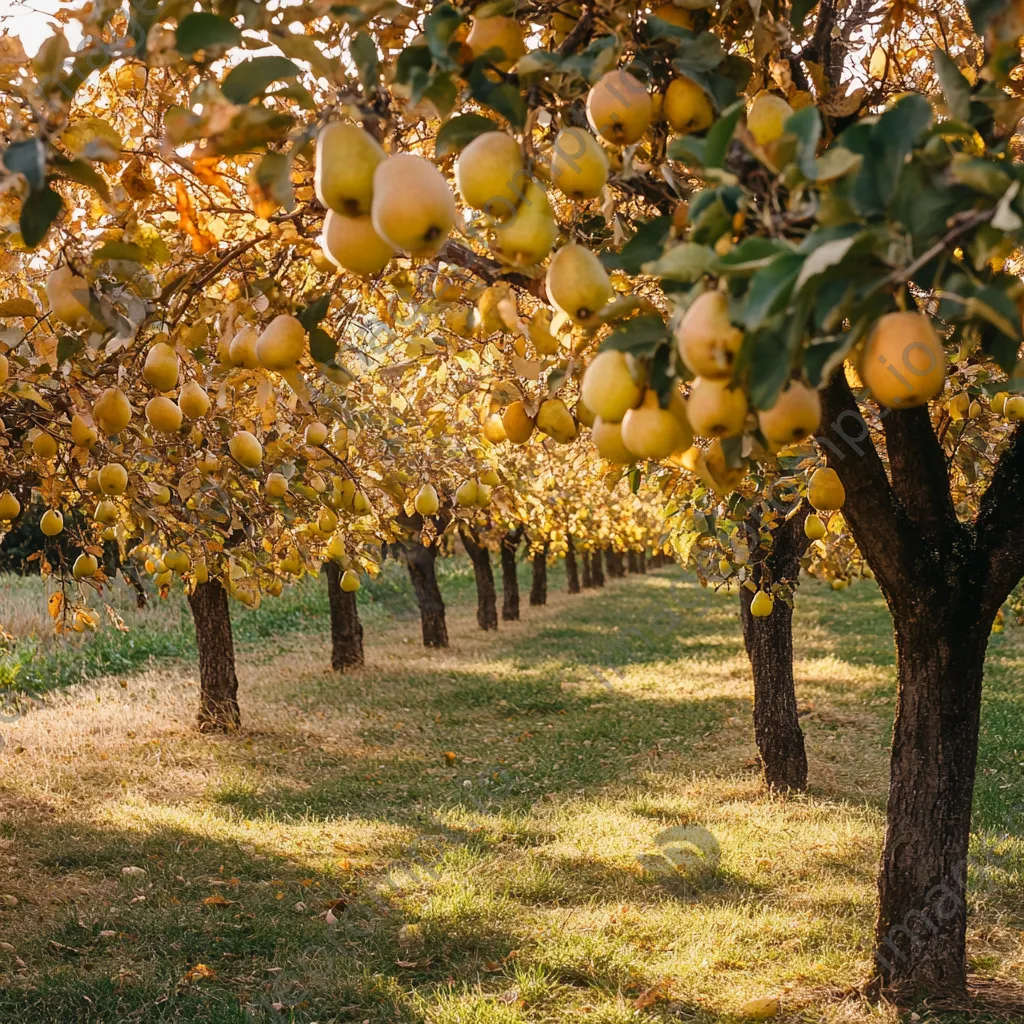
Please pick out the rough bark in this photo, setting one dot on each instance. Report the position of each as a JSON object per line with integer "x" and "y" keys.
{"x": 572, "y": 579}
{"x": 509, "y": 579}
{"x": 631, "y": 563}
{"x": 587, "y": 575}
{"x": 420, "y": 560}
{"x": 769, "y": 644}
{"x": 486, "y": 596}
{"x": 641, "y": 561}
{"x": 596, "y": 572}
{"x": 218, "y": 684}
{"x": 614, "y": 562}
{"x": 346, "y": 629}
{"x": 539, "y": 586}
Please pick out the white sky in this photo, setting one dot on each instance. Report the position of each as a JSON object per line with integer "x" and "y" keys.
{"x": 32, "y": 22}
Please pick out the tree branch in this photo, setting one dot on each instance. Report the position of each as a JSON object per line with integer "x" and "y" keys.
{"x": 1000, "y": 523}
{"x": 459, "y": 255}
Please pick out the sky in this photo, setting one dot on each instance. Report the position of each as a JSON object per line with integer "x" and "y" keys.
{"x": 32, "y": 22}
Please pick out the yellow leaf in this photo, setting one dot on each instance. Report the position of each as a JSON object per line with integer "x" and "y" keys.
{"x": 55, "y": 603}
{"x": 96, "y": 133}
{"x": 18, "y": 307}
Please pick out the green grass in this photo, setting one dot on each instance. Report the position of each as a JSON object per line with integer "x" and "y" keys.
{"x": 498, "y": 835}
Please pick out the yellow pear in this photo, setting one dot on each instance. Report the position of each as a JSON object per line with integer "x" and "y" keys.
{"x": 766, "y": 1007}
{"x": 619, "y": 107}
{"x": 44, "y": 445}
{"x": 106, "y": 513}
{"x": 112, "y": 412}
{"x": 490, "y": 174}
{"x": 84, "y": 434}
{"x": 687, "y": 107}
{"x": 245, "y": 449}
{"x": 518, "y": 425}
{"x": 346, "y": 157}
{"x": 281, "y": 344}
{"x": 1013, "y": 408}
{"x": 68, "y": 296}
{"x": 674, "y": 15}
{"x": 52, "y": 522}
{"x": 555, "y": 420}
{"x": 413, "y": 207}
{"x": 651, "y": 432}
{"x": 715, "y": 409}
{"x": 276, "y": 485}
{"x": 201, "y": 572}
{"x": 609, "y": 389}
{"x": 528, "y": 235}
{"x": 242, "y": 350}
{"x": 903, "y": 363}
{"x": 814, "y": 527}
{"x": 998, "y": 402}
{"x": 161, "y": 367}
{"x": 352, "y": 244}
{"x": 162, "y": 414}
{"x": 577, "y": 283}
{"x": 4, "y": 369}
{"x": 85, "y": 566}
{"x": 161, "y": 493}
{"x": 350, "y": 581}
{"x": 762, "y": 605}
{"x": 539, "y": 330}
{"x": 10, "y": 507}
{"x": 607, "y": 437}
{"x": 193, "y": 401}
{"x": 707, "y": 340}
{"x": 583, "y": 413}
{"x": 426, "y": 502}
{"x": 825, "y": 490}
{"x": 494, "y": 429}
{"x": 466, "y": 493}
{"x": 113, "y": 479}
{"x": 483, "y": 495}
{"x": 579, "y": 167}
{"x": 767, "y": 117}
{"x": 316, "y": 433}
{"x": 496, "y": 34}
{"x": 795, "y": 415}
{"x": 326, "y": 521}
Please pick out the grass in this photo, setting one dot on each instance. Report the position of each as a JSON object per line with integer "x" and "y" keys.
{"x": 559, "y": 823}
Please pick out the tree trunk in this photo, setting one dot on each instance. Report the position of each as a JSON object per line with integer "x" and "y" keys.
{"x": 588, "y": 579}
{"x": 218, "y": 684}
{"x": 486, "y": 596}
{"x": 509, "y": 579}
{"x": 539, "y": 588}
{"x": 572, "y": 579}
{"x": 346, "y": 629}
{"x": 769, "y": 644}
{"x": 631, "y": 562}
{"x": 420, "y": 560}
{"x": 596, "y": 572}
{"x": 641, "y": 561}
{"x": 613, "y": 559}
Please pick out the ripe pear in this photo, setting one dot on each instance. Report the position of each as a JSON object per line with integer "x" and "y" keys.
{"x": 52, "y": 522}
{"x": 715, "y": 409}
{"x": 245, "y": 449}
{"x": 346, "y": 158}
{"x": 651, "y": 432}
{"x": 583, "y": 413}
{"x": 607, "y": 437}
{"x": 316, "y": 433}
{"x": 413, "y": 208}
{"x": 161, "y": 493}
{"x": 276, "y": 485}
{"x": 496, "y": 34}
{"x": 326, "y": 521}
{"x": 426, "y": 501}
{"x": 619, "y": 107}
{"x": 281, "y": 344}
{"x": 193, "y": 401}
{"x": 84, "y": 567}
{"x": 4, "y": 369}
{"x": 998, "y": 402}
{"x": 112, "y": 412}
{"x": 577, "y": 283}
{"x": 539, "y": 330}
{"x": 162, "y": 414}
{"x": 762, "y": 605}
{"x": 490, "y": 173}
{"x": 1013, "y": 408}
{"x": 10, "y": 507}
{"x": 466, "y": 493}
{"x": 161, "y": 367}
{"x": 242, "y": 350}
{"x": 83, "y": 434}
{"x": 350, "y": 581}
{"x": 68, "y": 296}
{"x": 903, "y": 363}
{"x": 528, "y": 235}
{"x": 494, "y": 429}
{"x": 687, "y": 107}
{"x": 796, "y": 415}
{"x": 113, "y": 479}
{"x": 351, "y": 244}
{"x": 814, "y": 527}
{"x": 44, "y": 445}
{"x": 767, "y": 116}
{"x": 609, "y": 389}
{"x": 579, "y": 167}
{"x": 483, "y": 495}
{"x": 707, "y": 340}
{"x": 518, "y": 425}
{"x": 555, "y": 420}
{"x": 825, "y": 491}
{"x": 106, "y": 513}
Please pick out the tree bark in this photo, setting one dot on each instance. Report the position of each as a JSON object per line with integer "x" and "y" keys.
{"x": 420, "y": 560}
{"x": 613, "y": 559}
{"x": 588, "y": 579}
{"x": 218, "y": 684}
{"x": 572, "y": 579}
{"x": 641, "y": 561}
{"x": 509, "y": 579}
{"x": 539, "y": 587}
{"x": 631, "y": 562}
{"x": 346, "y": 629}
{"x": 486, "y": 596}
{"x": 596, "y": 572}
{"x": 769, "y": 644}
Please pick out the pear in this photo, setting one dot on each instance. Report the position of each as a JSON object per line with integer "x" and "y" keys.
{"x": 44, "y": 445}
{"x": 161, "y": 367}
{"x": 350, "y": 581}
{"x": 113, "y": 479}
{"x": 276, "y": 485}
{"x": 518, "y": 426}
{"x": 577, "y": 283}
{"x": 10, "y": 507}
{"x": 539, "y": 330}
{"x": 528, "y": 235}
{"x": 466, "y": 493}
{"x": 413, "y": 208}
{"x": 106, "y": 513}
{"x": 346, "y": 158}
{"x": 607, "y": 437}
{"x": 500, "y": 34}
{"x": 4, "y": 369}
{"x": 555, "y": 420}
{"x": 281, "y": 344}
{"x": 609, "y": 389}
{"x": 52, "y": 522}
{"x": 762, "y": 605}
{"x": 494, "y": 429}
{"x": 767, "y": 116}
{"x": 998, "y": 402}
{"x": 83, "y": 434}
{"x": 245, "y": 449}
{"x": 161, "y": 493}
{"x": 903, "y": 363}
{"x": 483, "y": 495}
{"x": 619, "y": 107}
{"x": 674, "y": 15}
{"x": 162, "y": 414}
{"x": 68, "y": 296}
{"x": 814, "y": 527}
{"x": 490, "y": 173}
{"x": 84, "y": 567}
{"x": 687, "y": 107}
{"x": 315, "y": 433}
{"x": 242, "y": 350}
{"x": 715, "y": 409}
{"x": 707, "y": 340}
{"x": 583, "y": 413}
{"x": 795, "y": 415}
{"x": 193, "y": 401}
{"x": 825, "y": 491}
{"x": 1013, "y": 408}
{"x": 579, "y": 167}
{"x": 426, "y": 501}
{"x": 651, "y": 432}
{"x": 351, "y": 244}
{"x": 112, "y": 412}
{"x": 764, "y": 1007}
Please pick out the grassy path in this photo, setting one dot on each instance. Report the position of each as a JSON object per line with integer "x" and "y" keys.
{"x": 560, "y": 823}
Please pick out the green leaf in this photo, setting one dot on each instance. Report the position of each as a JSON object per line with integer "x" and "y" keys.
{"x": 459, "y": 132}
{"x": 364, "y": 53}
{"x": 770, "y": 289}
{"x": 249, "y": 79}
{"x": 720, "y": 135}
{"x": 305, "y": 48}
{"x": 273, "y": 175}
{"x": 410, "y": 60}
{"x": 824, "y": 258}
{"x": 120, "y": 251}
{"x": 204, "y": 31}
{"x": 38, "y": 212}
{"x": 645, "y": 246}
{"x": 752, "y": 254}
{"x": 956, "y": 90}
{"x": 799, "y": 11}
{"x": 703, "y": 53}
{"x": 27, "y": 158}
{"x": 84, "y": 173}
{"x": 311, "y": 315}
{"x": 686, "y": 262}
{"x": 997, "y": 308}
{"x": 439, "y": 27}
{"x": 640, "y": 336}
{"x": 502, "y": 97}
{"x": 769, "y": 369}
{"x": 689, "y": 149}
{"x": 68, "y": 345}
{"x": 823, "y": 354}
{"x": 806, "y": 126}
{"x": 322, "y": 347}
